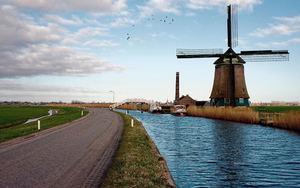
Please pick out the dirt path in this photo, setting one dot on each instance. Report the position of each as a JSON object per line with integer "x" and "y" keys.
{"x": 73, "y": 155}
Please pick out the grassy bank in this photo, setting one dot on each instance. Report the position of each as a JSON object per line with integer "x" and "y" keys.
{"x": 137, "y": 163}
{"x": 66, "y": 114}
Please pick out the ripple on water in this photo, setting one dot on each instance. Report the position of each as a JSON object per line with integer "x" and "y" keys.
{"x": 209, "y": 153}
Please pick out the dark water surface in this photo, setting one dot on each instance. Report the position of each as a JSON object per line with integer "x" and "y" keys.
{"x": 210, "y": 153}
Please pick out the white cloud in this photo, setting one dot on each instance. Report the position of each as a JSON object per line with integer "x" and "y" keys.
{"x": 18, "y": 30}
{"x": 120, "y": 22}
{"x": 63, "y": 21}
{"x": 67, "y": 5}
{"x": 29, "y": 49}
{"x": 100, "y": 43}
{"x": 46, "y": 59}
{"x": 190, "y": 14}
{"x": 16, "y": 86}
{"x": 291, "y": 25}
{"x": 209, "y": 4}
{"x": 152, "y": 6}
{"x": 88, "y": 32}
{"x": 277, "y": 44}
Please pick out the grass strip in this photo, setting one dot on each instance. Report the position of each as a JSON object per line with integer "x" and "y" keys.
{"x": 66, "y": 114}
{"x": 137, "y": 163}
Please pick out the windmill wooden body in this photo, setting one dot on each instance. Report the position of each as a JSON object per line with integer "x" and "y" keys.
{"x": 229, "y": 88}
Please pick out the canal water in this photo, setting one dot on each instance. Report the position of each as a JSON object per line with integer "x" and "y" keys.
{"x": 209, "y": 153}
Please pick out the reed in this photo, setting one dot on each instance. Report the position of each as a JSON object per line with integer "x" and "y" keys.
{"x": 90, "y": 105}
{"x": 239, "y": 114}
{"x": 289, "y": 120}
{"x": 131, "y": 106}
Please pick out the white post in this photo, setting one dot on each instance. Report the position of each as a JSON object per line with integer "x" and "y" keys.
{"x": 131, "y": 122}
{"x": 82, "y": 113}
{"x": 126, "y": 112}
{"x": 39, "y": 125}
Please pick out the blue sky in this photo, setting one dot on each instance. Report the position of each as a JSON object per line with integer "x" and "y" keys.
{"x": 64, "y": 50}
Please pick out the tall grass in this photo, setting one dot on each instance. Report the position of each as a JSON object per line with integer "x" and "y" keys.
{"x": 131, "y": 106}
{"x": 238, "y": 114}
{"x": 289, "y": 120}
{"x": 91, "y": 105}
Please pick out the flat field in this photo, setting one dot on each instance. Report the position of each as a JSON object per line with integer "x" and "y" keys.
{"x": 275, "y": 109}
{"x": 12, "y": 117}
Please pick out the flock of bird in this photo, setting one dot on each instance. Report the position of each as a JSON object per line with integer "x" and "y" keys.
{"x": 164, "y": 20}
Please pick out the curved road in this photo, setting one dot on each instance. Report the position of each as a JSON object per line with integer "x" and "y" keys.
{"x": 76, "y": 154}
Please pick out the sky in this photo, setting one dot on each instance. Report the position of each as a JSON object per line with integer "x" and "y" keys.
{"x": 105, "y": 50}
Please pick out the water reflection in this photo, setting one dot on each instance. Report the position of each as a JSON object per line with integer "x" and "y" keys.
{"x": 229, "y": 154}
{"x": 208, "y": 153}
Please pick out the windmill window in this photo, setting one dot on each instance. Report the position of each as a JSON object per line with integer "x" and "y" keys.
{"x": 226, "y": 100}
{"x": 241, "y": 100}
{"x": 217, "y": 92}
{"x": 243, "y": 91}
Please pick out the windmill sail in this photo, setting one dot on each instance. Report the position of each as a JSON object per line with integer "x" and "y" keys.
{"x": 198, "y": 53}
{"x": 264, "y": 55}
{"x": 232, "y": 26}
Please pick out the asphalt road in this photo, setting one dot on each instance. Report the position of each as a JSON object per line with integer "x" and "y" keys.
{"x": 76, "y": 154}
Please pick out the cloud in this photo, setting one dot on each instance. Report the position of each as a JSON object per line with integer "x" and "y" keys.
{"x": 48, "y": 59}
{"x": 275, "y": 44}
{"x": 152, "y": 6}
{"x": 120, "y": 22}
{"x": 290, "y": 26}
{"x": 190, "y": 14}
{"x": 8, "y": 85}
{"x": 61, "y": 20}
{"x": 88, "y": 32}
{"x": 100, "y": 43}
{"x": 69, "y": 5}
{"x": 29, "y": 49}
{"x": 209, "y": 4}
{"x": 17, "y": 30}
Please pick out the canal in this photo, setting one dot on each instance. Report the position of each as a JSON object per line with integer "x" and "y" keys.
{"x": 210, "y": 153}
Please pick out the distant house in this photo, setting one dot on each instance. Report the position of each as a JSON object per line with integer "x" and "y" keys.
{"x": 185, "y": 100}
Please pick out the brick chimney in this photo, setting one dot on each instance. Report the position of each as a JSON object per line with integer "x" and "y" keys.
{"x": 177, "y": 87}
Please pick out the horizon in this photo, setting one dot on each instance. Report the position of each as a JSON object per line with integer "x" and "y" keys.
{"x": 66, "y": 51}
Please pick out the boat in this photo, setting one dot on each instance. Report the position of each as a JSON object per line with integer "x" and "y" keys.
{"x": 156, "y": 109}
{"x": 180, "y": 110}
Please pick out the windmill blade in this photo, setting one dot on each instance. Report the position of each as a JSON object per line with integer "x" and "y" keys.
{"x": 198, "y": 53}
{"x": 264, "y": 55}
{"x": 232, "y": 26}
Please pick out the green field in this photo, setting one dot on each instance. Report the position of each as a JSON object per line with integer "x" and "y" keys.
{"x": 12, "y": 116}
{"x": 276, "y": 109}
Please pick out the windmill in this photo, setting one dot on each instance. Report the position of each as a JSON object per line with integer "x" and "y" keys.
{"x": 229, "y": 87}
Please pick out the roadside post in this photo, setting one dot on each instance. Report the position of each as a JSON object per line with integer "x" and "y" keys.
{"x": 39, "y": 125}
{"x": 131, "y": 122}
